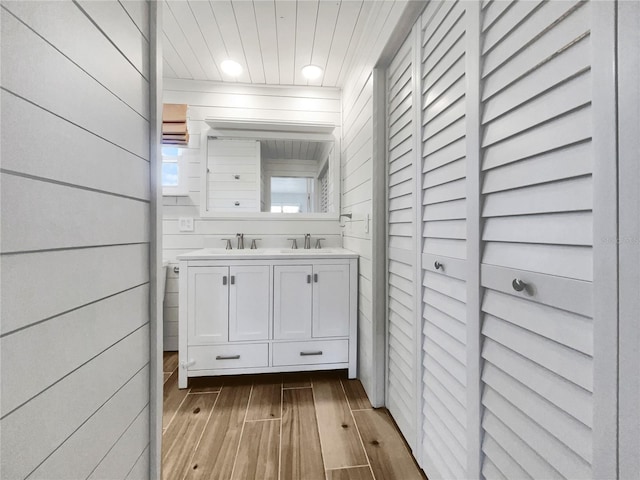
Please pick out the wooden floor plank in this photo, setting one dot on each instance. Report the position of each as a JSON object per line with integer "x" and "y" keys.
{"x": 180, "y": 438}
{"x": 389, "y": 457}
{"x": 356, "y": 395}
{"x": 258, "y": 452}
{"x": 169, "y": 361}
{"x": 205, "y": 384}
{"x": 216, "y": 452}
{"x": 165, "y": 377}
{"x": 172, "y": 398}
{"x": 296, "y": 380}
{"x": 300, "y": 454}
{"x": 357, "y": 473}
{"x": 265, "y": 402}
{"x": 341, "y": 445}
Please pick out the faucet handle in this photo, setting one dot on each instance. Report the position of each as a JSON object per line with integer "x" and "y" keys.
{"x": 294, "y": 243}
{"x": 228, "y": 245}
{"x": 253, "y": 243}
{"x": 318, "y": 246}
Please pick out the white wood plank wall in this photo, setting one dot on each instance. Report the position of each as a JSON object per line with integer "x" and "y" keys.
{"x": 215, "y": 100}
{"x": 357, "y": 170}
{"x": 75, "y": 233}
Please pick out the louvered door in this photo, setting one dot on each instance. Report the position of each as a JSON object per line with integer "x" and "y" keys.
{"x": 401, "y": 246}
{"x": 444, "y": 240}
{"x": 537, "y": 240}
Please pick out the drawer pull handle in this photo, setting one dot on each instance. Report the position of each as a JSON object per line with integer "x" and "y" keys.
{"x": 309, "y": 354}
{"x": 224, "y": 280}
{"x": 308, "y": 278}
{"x": 315, "y": 277}
{"x": 518, "y": 285}
{"x": 227, "y": 357}
{"x": 233, "y": 279}
{"x": 237, "y": 204}
{"x": 438, "y": 265}
{"x": 176, "y": 270}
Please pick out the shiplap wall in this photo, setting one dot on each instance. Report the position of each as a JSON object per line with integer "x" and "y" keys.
{"x": 215, "y": 100}
{"x": 75, "y": 240}
{"x": 357, "y": 170}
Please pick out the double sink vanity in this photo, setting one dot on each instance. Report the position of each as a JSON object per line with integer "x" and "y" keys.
{"x": 267, "y": 310}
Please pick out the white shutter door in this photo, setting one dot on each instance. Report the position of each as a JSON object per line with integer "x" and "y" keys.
{"x": 537, "y": 199}
{"x": 401, "y": 253}
{"x": 443, "y": 130}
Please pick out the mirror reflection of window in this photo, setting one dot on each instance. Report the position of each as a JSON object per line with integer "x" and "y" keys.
{"x": 292, "y": 194}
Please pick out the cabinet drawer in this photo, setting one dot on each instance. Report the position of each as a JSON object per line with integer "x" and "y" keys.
{"x": 212, "y": 357}
{"x": 310, "y": 353}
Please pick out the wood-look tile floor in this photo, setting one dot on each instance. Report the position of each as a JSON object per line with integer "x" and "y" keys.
{"x": 298, "y": 426}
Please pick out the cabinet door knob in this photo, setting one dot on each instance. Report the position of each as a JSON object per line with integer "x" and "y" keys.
{"x": 309, "y": 354}
{"x": 518, "y": 285}
{"x": 224, "y": 280}
{"x": 308, "y": 278}
{"x": 315, "y": 277}
{"x": 233, "y": 279}
{"x": 438, "y": 265}
{"x": 227, "y": 357}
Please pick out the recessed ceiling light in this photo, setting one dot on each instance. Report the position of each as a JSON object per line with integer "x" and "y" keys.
{"x": 311, "y": 72}
{"x": 231, "y": 68}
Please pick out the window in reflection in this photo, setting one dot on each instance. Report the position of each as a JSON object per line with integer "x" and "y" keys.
{"x": 292, "y": 194}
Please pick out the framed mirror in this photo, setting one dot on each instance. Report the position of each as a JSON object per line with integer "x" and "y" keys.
{"x": 270, "y": 170}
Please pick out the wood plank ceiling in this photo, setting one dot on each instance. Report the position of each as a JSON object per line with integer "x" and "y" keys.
{"x": 271, "y": 39}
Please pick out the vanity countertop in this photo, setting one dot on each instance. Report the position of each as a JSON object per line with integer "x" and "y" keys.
{"x": 266, "y": 253}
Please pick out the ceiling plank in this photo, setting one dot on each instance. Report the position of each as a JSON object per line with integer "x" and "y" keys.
{"x": 306, "y": 18}
{"x": 208, "y": 27}
{"x": 173, "y": 31}
{"x": 326, "y": 26}
{"x": 286, "y": 30}
{"x": 266, "y": 20}
{"x": 167, "y": 69}
{"x": 226, "y": 19}
{"x": 346, "y": 27}
{"x": 248, "y": 29}
{"x": 174, "y": 59}
{"x": 184, "y": 17}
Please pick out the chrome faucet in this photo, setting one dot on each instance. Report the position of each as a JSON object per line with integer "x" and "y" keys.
{"x": 240, "y": 237}
{"x": 307, "y": 241}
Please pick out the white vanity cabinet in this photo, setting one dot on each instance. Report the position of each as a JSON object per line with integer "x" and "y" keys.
{"x": 228, "y": 303}
{"x": 311, "y": 301}
{"x": 267, "y": 311}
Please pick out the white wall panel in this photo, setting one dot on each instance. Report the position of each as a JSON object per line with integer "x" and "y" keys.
{"x": 75, "y": 230}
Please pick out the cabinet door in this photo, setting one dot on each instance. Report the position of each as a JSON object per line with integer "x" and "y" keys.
{"x": 330, "y": 300}
{"x": 292, "y": 301}
{"x": 249, "y": 295}
{"x": 208, "y": 305}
